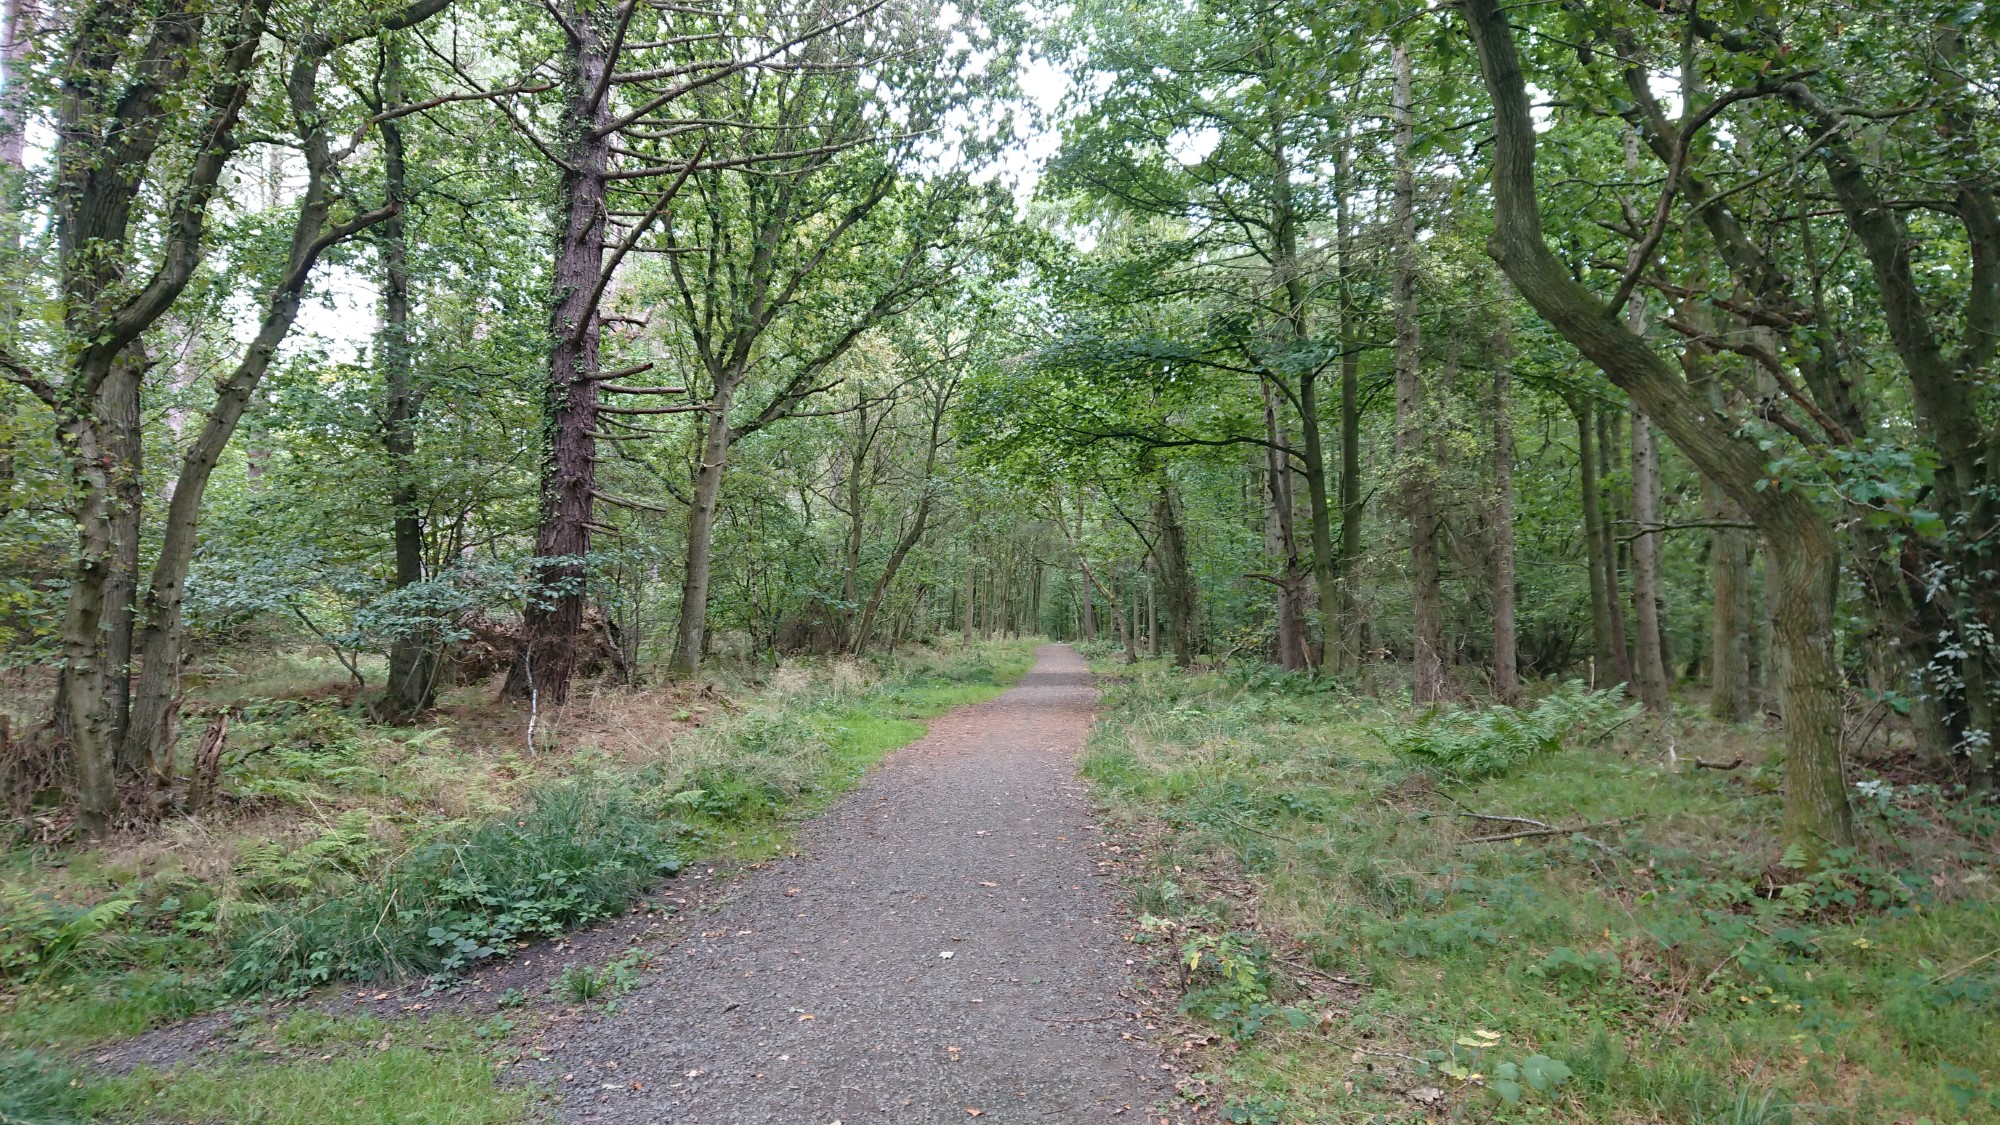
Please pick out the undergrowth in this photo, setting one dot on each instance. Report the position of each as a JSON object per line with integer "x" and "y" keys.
{"x": 346, "y": 851}
{"x": 1631, "y": 946}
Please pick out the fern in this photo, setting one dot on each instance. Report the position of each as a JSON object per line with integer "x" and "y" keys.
{"x": 344, "y": 850}
{"x": 40, "y": 937}
{"x": 1470, "y": 745}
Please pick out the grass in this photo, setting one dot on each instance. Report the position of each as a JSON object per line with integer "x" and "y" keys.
{"x": 314, "y": 1069}
{"x": 1665, "y": 964}
{"x": 344, "y": 850}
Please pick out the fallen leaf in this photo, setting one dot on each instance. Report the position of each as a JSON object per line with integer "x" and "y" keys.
{"x": 1428, "y": 1095}
{"x": 969, "y": 1109}
{"x": 803, "y": 1017}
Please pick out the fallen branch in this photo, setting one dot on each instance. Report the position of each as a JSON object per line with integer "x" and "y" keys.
{"x": 1607, "y": 732}
{"x": 1729, "y": 765}
{"x": 1507, "y": 819}
{"x": 1529, "y": 835}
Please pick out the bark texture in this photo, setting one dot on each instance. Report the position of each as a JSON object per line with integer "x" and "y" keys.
{"x": 554, "y": 612}
{"x": 413, "y": 658}
{"x": 1506, "y": 658}
{"x": 1646, "y": 579}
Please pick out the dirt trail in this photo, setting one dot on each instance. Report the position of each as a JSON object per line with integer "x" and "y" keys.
{"x": 943, "y": 944}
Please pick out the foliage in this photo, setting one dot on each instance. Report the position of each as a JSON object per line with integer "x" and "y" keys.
{"x": 41, "y": 938}
{"x": 1231, "y": 984}
{"x": 579, "y": 851}
{"x": 1471, "y": 745}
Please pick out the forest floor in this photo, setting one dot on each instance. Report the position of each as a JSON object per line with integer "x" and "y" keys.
{"x": 1543, "y": 914}
{"x": 1268, "y": 899}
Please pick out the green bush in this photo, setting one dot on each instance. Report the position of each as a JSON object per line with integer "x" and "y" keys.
{"x": 41, "y": 938}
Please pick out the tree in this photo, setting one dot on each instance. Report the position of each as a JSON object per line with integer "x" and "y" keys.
{"x": 120, "y": 132}
{"x": 775, "y": 272}
{"x": 1802, "y": 549}
{"x": 1416, "y": 467}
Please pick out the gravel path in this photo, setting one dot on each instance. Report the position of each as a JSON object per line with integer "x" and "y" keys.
{"x": 942, "y": 945}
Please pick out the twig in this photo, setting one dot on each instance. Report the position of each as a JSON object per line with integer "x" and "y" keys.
{"x": 1961, "y": 968}
{"x": 1080, "y": 1019}
{"x": 1508, "y": 819}
{"x": 1729, "y": 765}
{"x": 1549, "y": 832}
{"x": 1607, "y": 732}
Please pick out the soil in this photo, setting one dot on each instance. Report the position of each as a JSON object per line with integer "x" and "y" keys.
{"x": 945, "y": 947}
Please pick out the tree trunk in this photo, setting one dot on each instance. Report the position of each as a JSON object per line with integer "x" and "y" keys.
{"x": 86, "y": 672}
{"x": 1601, "y": 606}
{"x": 911, "y": 537}
{"x": 554, "y": 611}
{"x": 1128, "y": 626}
{"x": 857, "y": 524}
{"x": 971, "y": 592}
{"x": 1506, "y": 661}
{"x": 1152, "y": 621}
{"x": 1183, "y": 606}
{"x": 121, "y": 593}
{"x": 1614, "y": 587}
{"x": 1281, "y": 538}
{"x": 1035, "y": 611}
{"x": 1652, "y": 668}
{"x": 1293, "y": 644}
{"x": 692, "y": 631}
{"x": 1803, "y": 549}
{"x": 1415, "y": 470}
{"x": 150, "y": 735}
{"x": 1729, "y": 574}
{"x": 1347, "y": 609}
{"x": 413, "y": 657}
